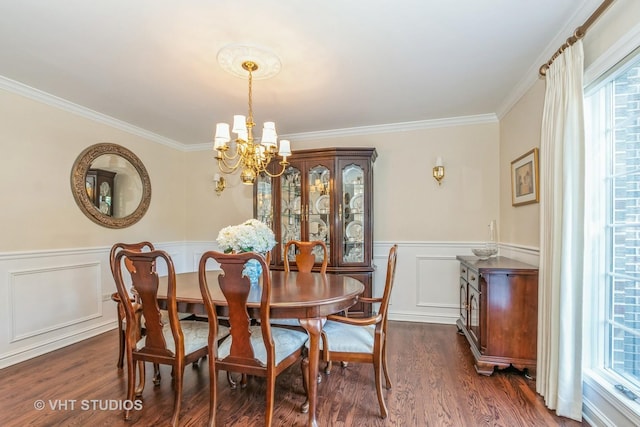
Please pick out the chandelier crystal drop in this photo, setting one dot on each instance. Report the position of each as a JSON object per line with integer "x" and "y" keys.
{"x": 248, "y": 155}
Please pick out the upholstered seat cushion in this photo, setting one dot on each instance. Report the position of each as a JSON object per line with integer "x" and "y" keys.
{"x": 348, "y": 338}
{"x": 195, "y": 333}
{"x": 289, "y": 322}
{"x": 286, "y": 342}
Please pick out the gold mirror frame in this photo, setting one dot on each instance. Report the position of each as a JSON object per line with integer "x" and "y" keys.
{"x": 78, "y": 187}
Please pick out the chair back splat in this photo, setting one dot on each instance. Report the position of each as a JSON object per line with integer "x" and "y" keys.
{"x": 305, "y": 256}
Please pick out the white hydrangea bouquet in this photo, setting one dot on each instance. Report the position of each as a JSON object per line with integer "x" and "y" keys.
{"x": 250, "y": 236}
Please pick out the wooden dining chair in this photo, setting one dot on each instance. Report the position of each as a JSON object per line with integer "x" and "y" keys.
{"x": 363, "y": 340}
{"x": 305, "y": 259}
{"x": 176, "y": 343}
{"x": 257, "y": 350}
{"x": 138, "y": 247}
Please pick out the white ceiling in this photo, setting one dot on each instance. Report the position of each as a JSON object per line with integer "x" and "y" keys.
{"x": 345, "y": 63}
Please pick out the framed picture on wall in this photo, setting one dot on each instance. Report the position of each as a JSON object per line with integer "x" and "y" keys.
{"x": 525, "y": 182}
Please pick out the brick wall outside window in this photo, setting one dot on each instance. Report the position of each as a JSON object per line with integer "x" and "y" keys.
{"x": 624, "y": 305}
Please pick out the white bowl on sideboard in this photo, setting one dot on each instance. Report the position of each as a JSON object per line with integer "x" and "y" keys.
{"x": 484, "y": 253}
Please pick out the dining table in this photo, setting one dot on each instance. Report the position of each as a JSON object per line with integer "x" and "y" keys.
{"x": 309, "y": 297}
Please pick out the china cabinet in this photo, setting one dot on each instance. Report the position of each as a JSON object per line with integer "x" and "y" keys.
{"x": 324, "y": 194}
{"x": 99, "y": 184}
{"x": 499, "y": 312}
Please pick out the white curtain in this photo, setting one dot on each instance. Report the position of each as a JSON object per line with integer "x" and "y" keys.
{"x": 560, "y": 292}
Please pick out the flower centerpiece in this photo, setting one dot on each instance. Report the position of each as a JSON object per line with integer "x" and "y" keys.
{"x": 250, "y": 236}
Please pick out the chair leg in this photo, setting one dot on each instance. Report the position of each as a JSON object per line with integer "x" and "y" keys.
{"x": 327, "y": 367}
{"x": 384, "y": 365}
{"x": 271, "y": 390}
{"x": 213, "y": 390}
{"x": 377, "y": 369}
{"x": 156, "y": 374}
{"x": 244, "y": 381}
{"x": 325, "y": 353}
{"x": 304, "y": 365}
{"x": 177, "y": 396}
{"x": 131, "y": 385}
{"x": 121, "y": 345}
{"x": 141, "y": 371}
{"x": 230, "y": 380}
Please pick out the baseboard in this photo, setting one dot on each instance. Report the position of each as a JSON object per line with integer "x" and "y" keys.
{"x": 57, "y": 343}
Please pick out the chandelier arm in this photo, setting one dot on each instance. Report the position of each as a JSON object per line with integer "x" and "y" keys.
{"x": 284, "y": 165}
{"x": 227, "y": 168}
{"x": 223, "y": 153}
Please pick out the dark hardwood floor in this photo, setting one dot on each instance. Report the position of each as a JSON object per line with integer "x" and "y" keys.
{"x": 434, "y": 384}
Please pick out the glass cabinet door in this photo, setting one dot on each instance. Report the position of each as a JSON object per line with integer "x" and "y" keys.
{"x": 319, "y": 208}
{"x": 352, "y": 213}
{"x": 264, "y": 200}
{"x": 291, "y": 208}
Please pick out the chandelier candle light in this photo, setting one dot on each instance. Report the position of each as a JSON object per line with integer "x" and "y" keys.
{"x": 251, "y": 157}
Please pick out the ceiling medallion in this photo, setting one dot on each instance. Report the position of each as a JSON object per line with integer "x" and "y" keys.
{"x": 253, "y": 156}
{"x": 232, "y": 57}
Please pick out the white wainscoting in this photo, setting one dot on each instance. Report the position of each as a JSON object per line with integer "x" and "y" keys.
{"x": 427, "y": 277}
{"x": 72, "y": 295}
{"x": 50, "y": 299}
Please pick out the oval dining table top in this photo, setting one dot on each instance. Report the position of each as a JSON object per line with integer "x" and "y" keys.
{"x": 293, "y": 294}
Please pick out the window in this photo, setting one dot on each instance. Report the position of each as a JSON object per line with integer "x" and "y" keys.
{"x": 612, "y": 110}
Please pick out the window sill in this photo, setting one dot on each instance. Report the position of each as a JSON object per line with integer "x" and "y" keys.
{"x": 604, "y": 405}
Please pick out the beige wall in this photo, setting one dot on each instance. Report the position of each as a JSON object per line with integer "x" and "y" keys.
{"x": 207, "y": 212}
{"x": 519, "y": 133}
{"x": 408, "y": 203}
{"x": 614, "y": 25}
{"x": 39, "y": 145}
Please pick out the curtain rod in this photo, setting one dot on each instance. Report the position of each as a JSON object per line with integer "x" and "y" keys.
{"x": 577, "y": 35}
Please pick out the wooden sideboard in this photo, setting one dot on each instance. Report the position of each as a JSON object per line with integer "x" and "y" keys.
{"x": 499, "y": 312}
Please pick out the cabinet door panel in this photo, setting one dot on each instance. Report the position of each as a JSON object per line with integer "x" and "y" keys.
{"x": 464, "y": 303}
{"x": 319, "y": 207}
{"x": 264, "y": 200}
{"x": 474, "y": 315}
{"x": 291, "y": 205}
{"x": 354, "y": 208}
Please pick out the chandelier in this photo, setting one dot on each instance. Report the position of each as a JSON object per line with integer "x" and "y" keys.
{"x": 249, "y": 155}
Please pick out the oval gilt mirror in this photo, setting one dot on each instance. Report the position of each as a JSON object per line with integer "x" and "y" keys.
{"x": 111, "y": 185}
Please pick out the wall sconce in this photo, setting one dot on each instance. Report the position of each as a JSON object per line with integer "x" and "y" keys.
{"x": 438, "y": 170}
{"x": 220, "y": 183}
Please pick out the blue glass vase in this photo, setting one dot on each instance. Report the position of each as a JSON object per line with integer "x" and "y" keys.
{"x": 253, "y": 270}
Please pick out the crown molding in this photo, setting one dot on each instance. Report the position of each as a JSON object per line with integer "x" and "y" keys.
{"x": 377, "y": 129}
{"x": 394, "y": 127}
{"x": 54, "y": 101}
{"x": 63, "y": 104}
